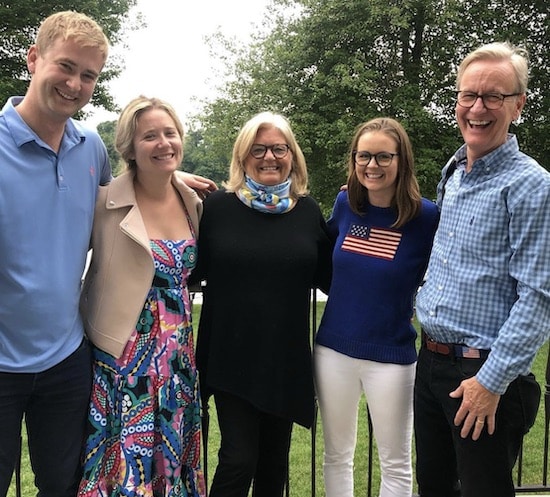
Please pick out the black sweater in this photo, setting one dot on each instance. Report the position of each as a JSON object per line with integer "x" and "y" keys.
{"x": 254, "y": 339}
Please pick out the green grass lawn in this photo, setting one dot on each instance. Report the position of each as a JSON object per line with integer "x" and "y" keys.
{"x": 301, "y": 474}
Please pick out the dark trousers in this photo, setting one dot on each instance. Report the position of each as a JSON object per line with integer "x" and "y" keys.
{"x": 448, "y": 465}
{"x": 254, "y": 447}
{"x": 55, "y": 405}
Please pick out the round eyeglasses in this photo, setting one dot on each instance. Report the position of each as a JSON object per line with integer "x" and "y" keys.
{"x": 279, "y": 150}
{"x": 363, "y": 158}
{"x": 491, "y": 101}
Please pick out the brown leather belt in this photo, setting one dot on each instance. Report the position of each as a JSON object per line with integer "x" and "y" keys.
{"x": 453, "y": 349}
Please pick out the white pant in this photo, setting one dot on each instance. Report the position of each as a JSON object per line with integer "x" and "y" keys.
{"x": 340, "y": 381}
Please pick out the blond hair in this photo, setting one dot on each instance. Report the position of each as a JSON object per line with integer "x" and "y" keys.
{"x": 127, "y": 125}
{"x": 244, "y": 142}
{"x": 68, "y": 24}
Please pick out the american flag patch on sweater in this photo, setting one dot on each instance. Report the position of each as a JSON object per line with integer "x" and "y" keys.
{"x": 376, "y": 242}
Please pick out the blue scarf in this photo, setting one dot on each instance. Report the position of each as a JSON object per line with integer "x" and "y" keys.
{"x": 271, "y": 199}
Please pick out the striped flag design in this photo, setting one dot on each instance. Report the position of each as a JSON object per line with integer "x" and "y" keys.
{"x": 376, "y": 242}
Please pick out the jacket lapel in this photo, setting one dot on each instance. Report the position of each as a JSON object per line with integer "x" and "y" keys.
{"x": 121, "y": 195}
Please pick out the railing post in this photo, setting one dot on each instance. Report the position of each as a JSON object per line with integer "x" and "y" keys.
{"x": 313, "y": 327}
{"x": 205, "y": 420}
{"x": 520, "y": 464}
{"x": 18, "y": 469}
{"x": 546, "y": 421}
{"x": 371, "y": 450}
{"x": 205, "y": 410}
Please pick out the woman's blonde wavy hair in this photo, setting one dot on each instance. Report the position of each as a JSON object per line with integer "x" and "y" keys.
{"x": 244, "y": 142}
{"x": 127, "y": 125}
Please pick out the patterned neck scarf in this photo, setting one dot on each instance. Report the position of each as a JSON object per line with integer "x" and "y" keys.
{"x": 271, "y": 199}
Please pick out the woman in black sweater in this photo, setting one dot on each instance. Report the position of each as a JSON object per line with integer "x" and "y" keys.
{"x": 263, "y": 245}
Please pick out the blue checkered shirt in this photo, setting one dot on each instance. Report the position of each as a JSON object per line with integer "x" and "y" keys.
{"x": 488, "y": 279}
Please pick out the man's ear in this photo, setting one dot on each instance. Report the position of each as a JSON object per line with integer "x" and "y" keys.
{"x": 32, "y": 56}
{"x": 520, "y": 104}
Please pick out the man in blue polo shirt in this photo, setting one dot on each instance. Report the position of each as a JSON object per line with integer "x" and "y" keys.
{"x": 485, "y": 307}
{"x": 50, "y": 170}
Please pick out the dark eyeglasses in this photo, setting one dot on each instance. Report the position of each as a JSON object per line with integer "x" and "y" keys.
{"x": 363, "y": 158}
{"x": 279, "y": 150}
{"x": 491, "y": 101}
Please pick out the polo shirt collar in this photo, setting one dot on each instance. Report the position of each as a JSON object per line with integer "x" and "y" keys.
{"x": 22, "y": 133}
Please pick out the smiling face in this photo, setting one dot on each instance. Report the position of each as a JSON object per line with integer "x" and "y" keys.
{"x": 379, "y": 181}
{"x": 63, "y": 78}
{"x": 484, "y": 130}
{"x": 157, "y": 145}
{"x": 269, "y": 171}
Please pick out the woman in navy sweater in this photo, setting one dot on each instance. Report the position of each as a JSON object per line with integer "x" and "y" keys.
{"x": 366, "y": 342}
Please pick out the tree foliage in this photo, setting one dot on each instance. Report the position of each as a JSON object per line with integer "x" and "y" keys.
{"x": 329, "y": 65}
{"x": 20, "y": 21}
{"x": 107, "y": 131}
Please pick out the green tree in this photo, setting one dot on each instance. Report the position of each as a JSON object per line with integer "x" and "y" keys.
{"x": 329, "y": 65}
{"x": 20, "y": 21}
{"x": 107, "y": 132}
{"x": 203, "y": 158}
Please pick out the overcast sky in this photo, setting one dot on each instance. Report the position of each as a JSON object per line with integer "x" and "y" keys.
{"x": 169, "y": 58}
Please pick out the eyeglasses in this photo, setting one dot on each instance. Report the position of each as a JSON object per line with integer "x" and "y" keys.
{"x": 279, "y": 150}
{"x": 362, "y": 158}
{"x": 491, "y": 101}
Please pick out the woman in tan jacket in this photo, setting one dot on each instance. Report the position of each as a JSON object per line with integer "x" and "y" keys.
{"x": 144, "y": 421}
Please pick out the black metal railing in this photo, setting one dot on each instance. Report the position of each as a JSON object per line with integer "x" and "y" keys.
{"x": 543, "y": 485}
{"x": 521, "y": 488}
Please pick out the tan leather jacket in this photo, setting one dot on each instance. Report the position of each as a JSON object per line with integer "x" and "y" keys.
{"x": 121, "y": 269}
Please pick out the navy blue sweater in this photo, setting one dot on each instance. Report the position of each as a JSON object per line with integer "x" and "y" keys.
{"x": 376, "y": 272}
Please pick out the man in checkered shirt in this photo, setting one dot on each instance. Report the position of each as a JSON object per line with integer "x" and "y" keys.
{"x": 485, "y": 307}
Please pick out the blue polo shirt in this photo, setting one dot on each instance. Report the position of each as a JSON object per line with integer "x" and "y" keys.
{"x": 46, "y": 211}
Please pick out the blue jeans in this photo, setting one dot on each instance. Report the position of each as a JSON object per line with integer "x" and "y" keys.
{"x": 448, "y": 465}
{"x": 54, "y": 404}
{"x": 254, "y": 446}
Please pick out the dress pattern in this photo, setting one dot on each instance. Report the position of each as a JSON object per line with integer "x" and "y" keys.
{"x": 144, "y": 420}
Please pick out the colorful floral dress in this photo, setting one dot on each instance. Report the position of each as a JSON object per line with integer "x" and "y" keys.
{"x": 144, "y": 419}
